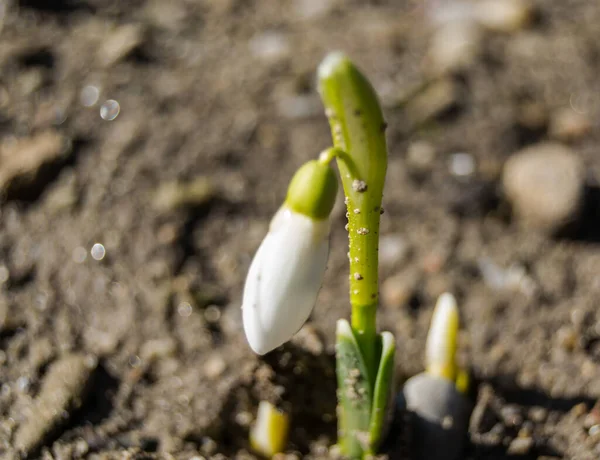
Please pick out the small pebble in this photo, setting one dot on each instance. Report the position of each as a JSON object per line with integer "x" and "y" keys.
{"x": 243, "y": 418}
{"x": 420, "y": 155}
{"x": 591, "y": 419}
{"x": 270, "y": 46}
{"x": 526, "y": 430}
{"x": 64, "y": 195}
{"x": 434, "y": 261}
{"x": 214, "y": 367}
{"x": 4, "y": 274}
{"x": 393, "y": 250}
{"x": 155, "y": 349}
{"x": 30, "y": 81}
{"x": 184, "y": 309}
{"x": 447, "y": 12}
{"x": 538, "y": 414}
{"x": 545, "y": 185}
{"x": 299, "y": 106}
{"x": 579, "y": 409}
{"x": 520, "y": 446}
{"x": 578, "y": 318}
{"x": 447, "y": 422}
{"x": 568, "y": 125}
{"x": 308, "y": 339}
{"x": 462, "y": 164}
{"x": 513, "y": 278}
{"x": 454, "y": 47}
{"x": 312, "y": 9}
{"x": 435, "y": 100}
{"x": 81, "y": 448}
{"x": 135, "y": 361}
{"x": 23, "y": 384}
{"x": 503, "y": 15}
{"x": 168, "y": 233}
{"x": 209, "y": 446}
{"x": 511, "y": 416}
{"x": 397, "y": 290}
{"x": 594, "y": 431}
{"x": 175, "y": 195}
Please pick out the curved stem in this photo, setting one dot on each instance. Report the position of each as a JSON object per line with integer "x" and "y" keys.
{"x": 329, "y": 154}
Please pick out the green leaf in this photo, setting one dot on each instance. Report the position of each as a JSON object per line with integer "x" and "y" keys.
{"x": 384, "y": 390}
{"x": 363, "y": 413}
{"x": 354, "y": 394}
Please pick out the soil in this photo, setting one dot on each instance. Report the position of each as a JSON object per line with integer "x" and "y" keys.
{"x": 135, "y": 349}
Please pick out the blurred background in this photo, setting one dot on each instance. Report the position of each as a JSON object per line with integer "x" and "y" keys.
{"x": 145, "y": 145}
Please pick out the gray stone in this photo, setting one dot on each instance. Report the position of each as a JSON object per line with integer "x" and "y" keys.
{"x": 545, "y": 185}
{"x": 440, "y": 416}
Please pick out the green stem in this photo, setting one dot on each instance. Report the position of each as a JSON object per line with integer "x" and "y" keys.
{"x": 358, "y": 127}
{"x": 365, "y": 329}
{"x": 363, "y": 315}
{"x": 329, "y": 154}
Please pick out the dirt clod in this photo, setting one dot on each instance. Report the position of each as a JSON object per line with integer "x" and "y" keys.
{"x": 62, "y": 392}
{"x": 173, "y": 195}
{"x": 119, "y": 43}
{"x": 21, "y": 159}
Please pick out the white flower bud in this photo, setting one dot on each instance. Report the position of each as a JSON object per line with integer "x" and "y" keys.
{"x": 440, "y": 352}
{"x": 269, "y": 434}
{"x": 284, "y": 279}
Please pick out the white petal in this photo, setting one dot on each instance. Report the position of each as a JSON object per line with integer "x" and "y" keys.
{"x": 284, "y": 279}
{"x": 250, "y": 302}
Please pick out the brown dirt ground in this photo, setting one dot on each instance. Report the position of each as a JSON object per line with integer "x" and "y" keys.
{"x": 161, "y": 368}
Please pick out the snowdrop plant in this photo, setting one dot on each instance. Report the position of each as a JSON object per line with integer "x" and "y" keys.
{"x": 365, "y": 359}
{"x": 287, "y": 270}
{"x": 436, "y": 398}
